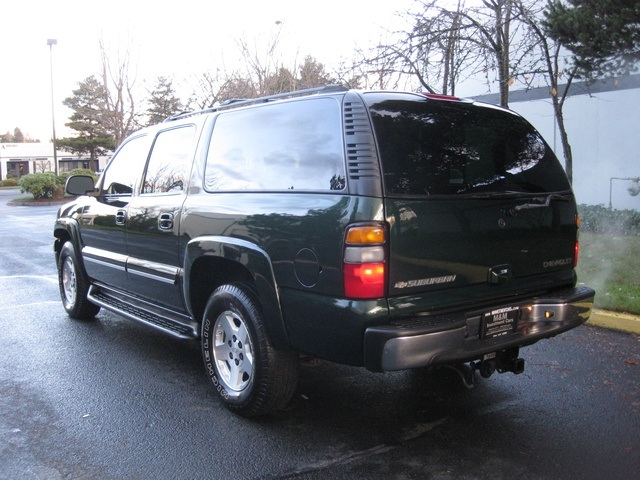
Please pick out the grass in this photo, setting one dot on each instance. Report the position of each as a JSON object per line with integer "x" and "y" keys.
{"x": 611, "y": 265}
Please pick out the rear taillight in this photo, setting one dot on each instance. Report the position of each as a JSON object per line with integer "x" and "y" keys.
{"x": 364, "y": 262}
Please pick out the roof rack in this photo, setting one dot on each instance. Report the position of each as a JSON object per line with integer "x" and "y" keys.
{"x": 239, "y": 102}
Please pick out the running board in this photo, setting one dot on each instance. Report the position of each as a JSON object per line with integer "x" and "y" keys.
{"x": 134, "y": 308}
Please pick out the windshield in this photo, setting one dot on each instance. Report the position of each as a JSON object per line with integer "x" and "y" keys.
{"x": 432, "y": 147}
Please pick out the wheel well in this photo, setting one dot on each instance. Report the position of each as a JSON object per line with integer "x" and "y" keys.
{"x": 207, "y": 274}
{"x": 62, "y": 236}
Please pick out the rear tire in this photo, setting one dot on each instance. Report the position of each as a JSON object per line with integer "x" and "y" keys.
{"x": 250, "y": 376}
{"x": 74, "y": 285}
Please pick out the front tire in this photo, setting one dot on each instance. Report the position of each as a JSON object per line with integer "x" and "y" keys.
{"x": 74, "y": 285}
{"x": 250, "y": 376}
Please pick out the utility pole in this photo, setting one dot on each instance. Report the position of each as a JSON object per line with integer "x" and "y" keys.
{"x": 51, "y": 42}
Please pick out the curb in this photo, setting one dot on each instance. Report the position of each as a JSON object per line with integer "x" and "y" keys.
{"x": 616, "y": 321}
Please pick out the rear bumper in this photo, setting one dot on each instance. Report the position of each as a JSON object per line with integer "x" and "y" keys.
{"x": 456, "y": 337}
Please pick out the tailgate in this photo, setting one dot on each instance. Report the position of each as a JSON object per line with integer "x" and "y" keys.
{"x": 473, "y": 195}
{"x": 444, "y": 244}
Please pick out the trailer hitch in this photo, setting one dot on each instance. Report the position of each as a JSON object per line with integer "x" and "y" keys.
{"x": 503, "y": 361}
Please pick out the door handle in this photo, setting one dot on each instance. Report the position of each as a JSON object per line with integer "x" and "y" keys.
{"x": 165, "y": 221}
{"x": 121, "y": 216}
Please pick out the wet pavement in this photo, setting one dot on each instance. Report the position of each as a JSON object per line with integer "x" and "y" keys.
{"x": 113, "y": 399}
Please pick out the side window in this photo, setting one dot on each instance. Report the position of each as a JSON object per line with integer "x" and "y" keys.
{"x": 288, "y": 146}
{"x": 170, "y": 161}
{"x": 125, "y": 167}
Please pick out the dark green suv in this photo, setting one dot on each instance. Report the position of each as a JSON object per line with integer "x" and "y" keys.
{"x": 381, "y": 229}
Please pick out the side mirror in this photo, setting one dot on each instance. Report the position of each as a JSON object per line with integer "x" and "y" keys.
{"x": 79, "y": 185}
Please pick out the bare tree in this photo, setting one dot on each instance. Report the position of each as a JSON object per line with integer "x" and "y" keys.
{"x": 209, "y": 90}
{"x": 448, "y": 45}
{"x": 42, "y": 166}
{"x": 264, "y": 74}
{"x": 119, "y": 82}
{"x": 554, "y": 70}
{"x": 264, "y": 66}
{"x": 495, "y": 33}
{"x": 440, "y": 47}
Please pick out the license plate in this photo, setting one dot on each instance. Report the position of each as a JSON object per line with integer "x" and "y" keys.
{"x": 499, "y": 322}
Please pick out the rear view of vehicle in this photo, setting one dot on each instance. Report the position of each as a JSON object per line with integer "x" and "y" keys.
{"x": 482, "y": 240}
{"x": 378, "y": 229}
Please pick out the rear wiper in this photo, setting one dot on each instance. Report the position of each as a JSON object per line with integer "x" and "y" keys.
{"x": 541, "y": 203}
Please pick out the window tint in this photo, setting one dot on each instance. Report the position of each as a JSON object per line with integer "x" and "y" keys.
{"x": 125, "y": 167}
{"x": 170, "y": 161}
{"x": 432, "y": 147}
{"x": 287, "y": 146}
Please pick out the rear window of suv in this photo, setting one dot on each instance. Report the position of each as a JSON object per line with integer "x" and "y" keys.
{"x": 439, "y": 147}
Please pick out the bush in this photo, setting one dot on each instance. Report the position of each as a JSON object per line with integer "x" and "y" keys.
{"x": 9, "y": 182}
{"x": 40, "y": 185}
{"x": 599, "y": 219}
{"x": 62, "y": 178}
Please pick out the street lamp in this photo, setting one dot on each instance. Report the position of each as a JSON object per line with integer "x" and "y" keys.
{"x": 51, "y": 42}
{"x": 631, "y": 179}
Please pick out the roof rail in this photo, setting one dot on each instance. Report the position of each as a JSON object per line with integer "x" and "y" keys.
{"x": 239, "y": 102}
{"x": 232, "y": 100}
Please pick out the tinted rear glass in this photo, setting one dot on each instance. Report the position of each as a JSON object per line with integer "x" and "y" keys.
{"x": 282, "y": 146}
{"x": 435, "y": 147}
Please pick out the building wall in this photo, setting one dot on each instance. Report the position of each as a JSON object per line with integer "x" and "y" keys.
{"x": 25, "y": 158}
{"x": 603, "y": 124}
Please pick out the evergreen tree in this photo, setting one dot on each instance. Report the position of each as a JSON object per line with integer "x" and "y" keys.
{"x": 313, "y": 74}
{"x": 18, "y": 136}
{"x": 603, "y": 35}
{"x": 88, "y": 120}
{"x": 280, "y": 82}
{"x": 162, "y": 101}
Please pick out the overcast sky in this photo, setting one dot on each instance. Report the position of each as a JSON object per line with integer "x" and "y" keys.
{"x": 167, "y": 38}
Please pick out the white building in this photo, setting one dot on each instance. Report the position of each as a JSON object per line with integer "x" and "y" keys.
{"x": 17, "y": 159}
{"x": 603, "y": 124}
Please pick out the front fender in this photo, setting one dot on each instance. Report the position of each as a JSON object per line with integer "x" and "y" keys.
{"x": 67, "y": 229}
{"x": 256, "y": 261}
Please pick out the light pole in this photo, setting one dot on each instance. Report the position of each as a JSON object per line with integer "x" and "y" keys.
{"x": 632, "y": 179}
{"x": 51, "y": 42}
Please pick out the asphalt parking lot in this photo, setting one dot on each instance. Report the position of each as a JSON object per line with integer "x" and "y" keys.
{"x": 112, "y": 399}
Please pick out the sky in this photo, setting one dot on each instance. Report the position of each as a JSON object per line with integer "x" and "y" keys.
{"x": 174, "y": 39}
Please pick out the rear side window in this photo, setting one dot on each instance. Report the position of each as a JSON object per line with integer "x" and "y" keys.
{"x": 431, "y": 147}
{"x": 287, "y": 146}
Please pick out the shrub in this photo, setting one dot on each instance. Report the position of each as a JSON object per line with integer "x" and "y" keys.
{"x": 10, "y": 182}
{"x": 599, "y": 219}
{"x": 62, "y": 178}
{"x": 40, "y": 185}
